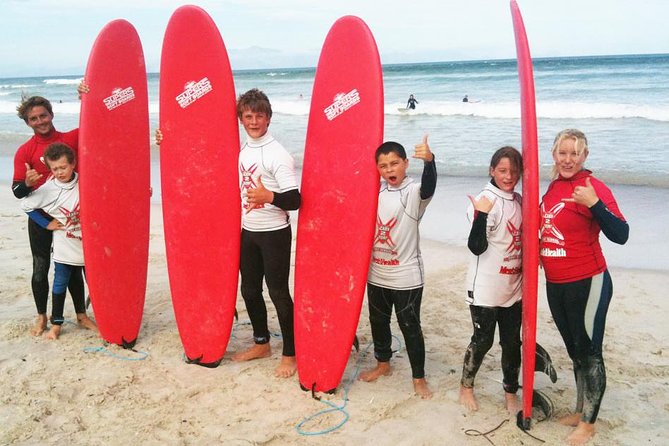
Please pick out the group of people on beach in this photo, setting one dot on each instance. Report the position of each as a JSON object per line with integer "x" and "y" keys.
{"x": 574, "y": 210}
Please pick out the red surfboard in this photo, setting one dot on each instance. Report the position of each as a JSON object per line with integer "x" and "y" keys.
{"x": 531, "y": 216}
{"x": 115, "y": 182}
{"x": 199, "y": 182}
{"x": 340, "y": 187}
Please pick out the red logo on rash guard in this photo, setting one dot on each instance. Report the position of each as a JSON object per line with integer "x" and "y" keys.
{"x": 383, "y": 232}
{"x": 515, "y": 244}
{"x": 548, "y": 229}
{"x": 247, "y": 176}
{"x": 71, "y": 221}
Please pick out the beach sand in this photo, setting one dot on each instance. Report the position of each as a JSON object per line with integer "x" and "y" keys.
{"x": 55, "y": 391}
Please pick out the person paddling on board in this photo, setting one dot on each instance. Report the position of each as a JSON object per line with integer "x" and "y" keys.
{"x": 30, "y": 172}
{"x": 411, "y": 103}
{"x": 575, "y": 208}
{"x": 269, "y": 189}
{"x": 55, "y": 207}
{"x": 396, "y": 268}
{"x": 494, "y": 277}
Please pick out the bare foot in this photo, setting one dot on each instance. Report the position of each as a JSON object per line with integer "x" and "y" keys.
{"x": 40, "y": 325}
{"x": 286, "y": 368}
{"x": 421, "y": 388}
{"x": 257, "y": 351}
{"x": 571, "y": 420}
{"x": 85, "y": 322}
{"x": 54, "y": 332}
{"x": 381, "y": 369}
{"x": 512, "y": 403}
{"x": 467, "y": 398}
{"x": 582, "y": 434}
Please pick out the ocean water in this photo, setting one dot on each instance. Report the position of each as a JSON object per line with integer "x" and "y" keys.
{"x": 620, "y": 102}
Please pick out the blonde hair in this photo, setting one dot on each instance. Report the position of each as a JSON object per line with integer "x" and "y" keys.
{"x": 580, "y": 144}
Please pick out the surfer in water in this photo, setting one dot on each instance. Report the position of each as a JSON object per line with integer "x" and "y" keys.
{"x": 269, "y": 189}
{"x": 55, "y": 207}
{"x": 575, "y": 208}
{"x": 411, "y": 103}
{"x": 396, "y": 270}
{"x": 494, "y": 279}
{"x": 30, "y": 173}
{"x": 465, "y": 99}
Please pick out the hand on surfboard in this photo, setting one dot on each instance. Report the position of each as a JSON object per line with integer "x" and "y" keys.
{"x": 585, "y": 195}
{"x": 83, "y": 88}
{"x": 159, "y": 137}
{"x": 32, "y": 176}
{"x": 422, "y": 150}
{"x": 258, "y": 196}
{"x": 483, "y": 204}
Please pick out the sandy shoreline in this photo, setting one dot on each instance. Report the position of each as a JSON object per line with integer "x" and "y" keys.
{"x": 55, "y": 391}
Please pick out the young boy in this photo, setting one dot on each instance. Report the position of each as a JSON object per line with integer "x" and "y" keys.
{"x": 396, "y": 270}
{"x": 30, "y": 173}
{"x": 59, "y": 197}
{"x": 269, "y": 190}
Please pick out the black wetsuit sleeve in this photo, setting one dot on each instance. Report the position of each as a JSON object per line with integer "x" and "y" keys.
{"x": 614, "y": 228}
{"x": 428, "y": 182}
{"x": 478, "y": 239}
{"x": 20, "y": 189}
{"x": 288, "y": 201}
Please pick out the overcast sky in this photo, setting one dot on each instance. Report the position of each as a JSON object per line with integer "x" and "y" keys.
{"x": 54, "y": 37}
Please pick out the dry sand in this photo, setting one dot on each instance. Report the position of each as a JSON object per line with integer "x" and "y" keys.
{"x": 55, "y": 391}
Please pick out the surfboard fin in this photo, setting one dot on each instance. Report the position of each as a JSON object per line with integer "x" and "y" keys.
{"x": 128, "y": 344}
{"x": 198, "y": 361}
{"x": 543, "y": 363}
{"x": 540, "y": 402}
{"x": 236, "y": 315}
{"x": 356, "y": 343}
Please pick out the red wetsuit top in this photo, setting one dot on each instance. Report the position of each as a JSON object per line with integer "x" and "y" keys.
{"x": 569, "y": 246}
{"x": 32, "y": 152}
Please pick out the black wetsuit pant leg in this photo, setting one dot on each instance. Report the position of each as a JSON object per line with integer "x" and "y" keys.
{"x": 267, "y": 254}
{"x": 484, "y": 322}
{"x": 579, "y": 310}
{"x": 407, "y": 309}
{"x": 40, "y": 246}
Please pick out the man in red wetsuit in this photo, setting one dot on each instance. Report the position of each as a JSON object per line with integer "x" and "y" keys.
{"x": 30, "y": 172}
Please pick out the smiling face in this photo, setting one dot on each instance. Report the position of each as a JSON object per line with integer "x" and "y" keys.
{"x": 40, "y": 120}
{"x": 255, "y": 123}
{"x": 568, "y": 160}
{"x": 392, "y": 168}
{"x": 505, "y": 174}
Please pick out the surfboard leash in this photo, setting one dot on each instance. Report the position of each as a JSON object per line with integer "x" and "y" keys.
{"x": 477, "y": 433}
{"x": 333, "y": 407}
{"x": 142, "y": 355}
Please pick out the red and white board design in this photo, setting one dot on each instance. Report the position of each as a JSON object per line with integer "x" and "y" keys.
{"x": 199, "y": 182}
{"x": 340, "y": 187}
{"x": 530, "y": 235}
{"x": 115, "y": 187}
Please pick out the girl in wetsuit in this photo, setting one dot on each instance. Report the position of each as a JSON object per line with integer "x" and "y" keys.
{"x": 494, "y": 277}
{"x": 575, "y": 208}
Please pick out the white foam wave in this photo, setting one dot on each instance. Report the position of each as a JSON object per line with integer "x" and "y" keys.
{"x": 63, "y": 81}
{"x": 15, "y": 86}
{"x": 548, "y": 109}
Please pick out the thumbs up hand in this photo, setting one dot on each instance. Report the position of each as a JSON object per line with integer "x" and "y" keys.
{"x": 258, "y": 196}
{"x": 422, "y": 150}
